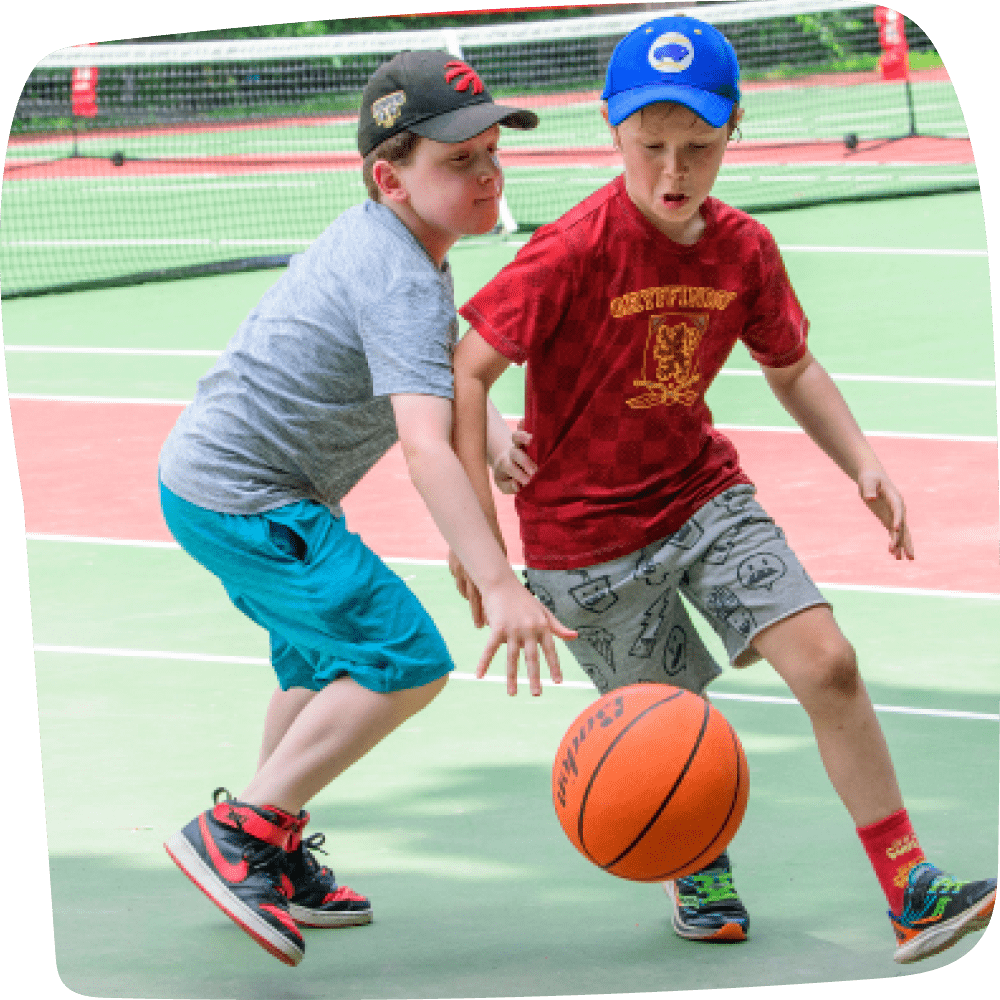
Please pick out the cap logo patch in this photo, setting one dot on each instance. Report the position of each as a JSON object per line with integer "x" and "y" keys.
{"x": 463, "y": 76}
{"x": 671, "y": 53}
{"x": 387, "y": 109}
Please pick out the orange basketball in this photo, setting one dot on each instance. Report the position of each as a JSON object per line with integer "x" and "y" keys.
{"x": 650, "y": 783}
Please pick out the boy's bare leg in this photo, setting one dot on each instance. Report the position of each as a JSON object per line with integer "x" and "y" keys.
{"x": 282, "y": 709}
{"x": 337, "y": 727}
{"x": 811, "y": 655}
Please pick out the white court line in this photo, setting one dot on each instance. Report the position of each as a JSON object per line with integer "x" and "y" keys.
{"x": 900, "y": 379}
{"x": 307, "y": 240}
{"x": 196, "y": 353}
{"x": 139, "y": 401}
{"x": 973, "y": 438}
{"x": 490, "y": 678}
{"x": 138, "y": 543}
{"x": 901, "y": 251}
{"x": 139, "y": 351}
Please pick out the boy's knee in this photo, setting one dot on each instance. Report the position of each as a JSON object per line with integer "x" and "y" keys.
{"x": 835, "y": 669}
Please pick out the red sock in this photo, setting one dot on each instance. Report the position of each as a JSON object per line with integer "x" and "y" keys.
{"x": 893, "y": 850}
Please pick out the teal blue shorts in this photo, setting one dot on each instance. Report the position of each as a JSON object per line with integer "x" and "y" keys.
{"x": 330, "y": 605}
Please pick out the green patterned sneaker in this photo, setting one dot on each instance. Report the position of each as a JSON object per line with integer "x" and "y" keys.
{"x": 706, "y": 906}
{"x": 938, "y": 910}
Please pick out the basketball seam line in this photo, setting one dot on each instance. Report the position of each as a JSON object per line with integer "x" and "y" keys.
{"x": 732, "y": 804}
{"x": 663, "y": 805}
{"x": 599, "y": 764}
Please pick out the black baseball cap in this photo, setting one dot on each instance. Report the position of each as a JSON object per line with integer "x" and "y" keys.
{"x": 434, "y": 95}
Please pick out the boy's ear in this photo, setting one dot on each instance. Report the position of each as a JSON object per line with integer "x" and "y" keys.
{"x": 389, "y": 182}
{"x": 613, "y": 128}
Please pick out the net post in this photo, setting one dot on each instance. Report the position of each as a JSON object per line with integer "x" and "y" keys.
{"x": 910, "y": 109}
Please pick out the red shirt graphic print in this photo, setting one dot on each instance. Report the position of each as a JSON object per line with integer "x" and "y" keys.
{"x": 622, "y": 332}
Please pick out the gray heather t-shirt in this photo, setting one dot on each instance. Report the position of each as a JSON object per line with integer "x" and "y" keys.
{"x": 297, "y": 407}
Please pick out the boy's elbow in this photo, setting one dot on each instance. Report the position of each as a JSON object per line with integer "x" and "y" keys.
{"x": 423, "y": 452}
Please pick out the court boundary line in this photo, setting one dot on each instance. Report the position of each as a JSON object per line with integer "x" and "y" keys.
{"x": 164, "y": 352}
{"x": 150, "y": 654}
{"x": 34, "y": 536}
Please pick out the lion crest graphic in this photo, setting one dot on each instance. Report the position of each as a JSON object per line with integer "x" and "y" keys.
{"x": 670, "y": 368}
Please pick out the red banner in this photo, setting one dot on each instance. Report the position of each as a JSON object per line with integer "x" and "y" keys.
{"x": 83, "y": 91}
{"x": 894, "y": 63}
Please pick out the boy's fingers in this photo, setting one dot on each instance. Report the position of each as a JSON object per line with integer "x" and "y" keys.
{"x": 487, "y": 658}
{"x": 513, "y": 655}
{"x": 532, "y": 667}
{"x": 519, "y": 474}
{"x": 552, "y": 658}
{"x": 906, "y": 541}
{"x": 558, "y": 628}
{"x": 476, "y": 602}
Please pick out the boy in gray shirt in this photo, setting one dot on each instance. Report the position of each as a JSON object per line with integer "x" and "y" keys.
{"x": 349, "y": 352}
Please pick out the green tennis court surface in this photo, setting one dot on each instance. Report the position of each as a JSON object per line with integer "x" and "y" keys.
{"x": 186, "y": 197}
{"x": 448, "y": 825}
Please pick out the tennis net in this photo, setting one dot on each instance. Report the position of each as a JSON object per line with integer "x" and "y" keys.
{"x": 134, "y": 162}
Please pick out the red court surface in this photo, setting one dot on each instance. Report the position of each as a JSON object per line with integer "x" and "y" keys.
{"x": 89, "y": 469}
{"x": 905, "y": 151}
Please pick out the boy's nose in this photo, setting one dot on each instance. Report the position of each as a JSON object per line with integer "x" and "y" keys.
{"x": 491, "y": 169}
{"x": 675, "y": 165}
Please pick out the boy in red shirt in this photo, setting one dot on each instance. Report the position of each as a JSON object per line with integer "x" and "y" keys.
{"x": 623, "y": 311}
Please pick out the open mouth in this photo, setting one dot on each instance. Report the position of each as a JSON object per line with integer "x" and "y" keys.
{"x": 674, "y": 200}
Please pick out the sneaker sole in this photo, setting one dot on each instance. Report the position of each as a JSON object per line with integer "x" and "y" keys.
{"x": 189, "y": 861}
{"x": 306, "y": 917}
{"x": 937, "y": 938}
{"x": 727, "y": 934}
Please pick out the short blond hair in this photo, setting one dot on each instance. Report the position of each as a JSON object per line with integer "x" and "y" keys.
{"x": 733, "y": 123}
{"x": 398, "y": 148}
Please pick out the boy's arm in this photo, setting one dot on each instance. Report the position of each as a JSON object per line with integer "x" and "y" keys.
{"x": 479, "y": 434}
{"x": 512, "y": 468}
{"x": 515, "y": 616}
{"x": 808, "y": 393}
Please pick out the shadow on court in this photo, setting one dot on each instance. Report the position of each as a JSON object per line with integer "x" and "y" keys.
{"x": 476, "y": 894}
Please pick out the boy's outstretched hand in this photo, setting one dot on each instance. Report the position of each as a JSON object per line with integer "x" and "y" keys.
{"x": 520, "y": 621}
{"x": 516, "y": 617}
{"x": 886, "y": 503}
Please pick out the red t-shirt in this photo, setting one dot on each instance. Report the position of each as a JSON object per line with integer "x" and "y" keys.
{"x": 622, "y": 331}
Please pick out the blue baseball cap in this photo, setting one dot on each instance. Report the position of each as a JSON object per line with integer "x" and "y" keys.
{"x": 677, "y": 59}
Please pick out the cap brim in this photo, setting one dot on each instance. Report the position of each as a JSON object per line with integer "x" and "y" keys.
{"x": 714, "y": 109}
{"x": 464, "y": 123}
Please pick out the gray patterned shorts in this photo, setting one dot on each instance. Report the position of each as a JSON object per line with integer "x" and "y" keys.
{"x": 730, "y": 561}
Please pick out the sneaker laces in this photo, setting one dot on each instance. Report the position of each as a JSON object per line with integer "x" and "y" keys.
{"x": 714, "y": 889}
{"x": 268, "y": 859}
{"x": 309, "y": 844}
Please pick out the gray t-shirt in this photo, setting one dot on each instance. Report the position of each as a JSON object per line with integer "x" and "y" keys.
{"x": 297, "y": 407}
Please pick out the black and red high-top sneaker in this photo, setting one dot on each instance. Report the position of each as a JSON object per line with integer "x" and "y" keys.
{"x": 317, "y": 900}
{"x": 235, "y": 853}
